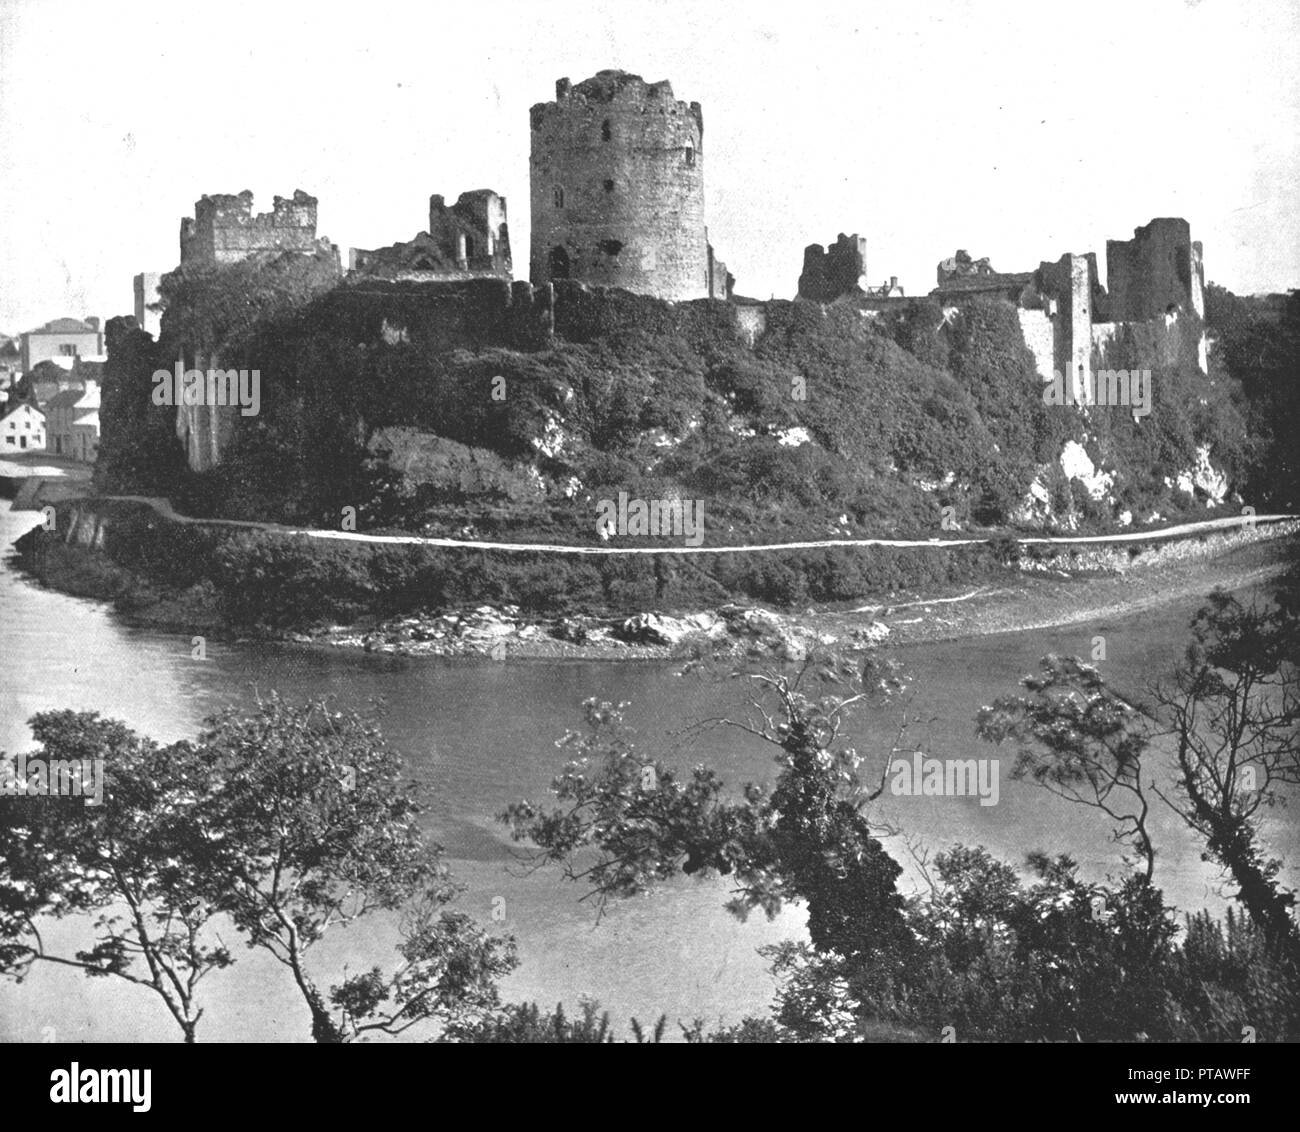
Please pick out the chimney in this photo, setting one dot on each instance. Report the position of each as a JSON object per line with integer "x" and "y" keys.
{"x": 893, "y": 282}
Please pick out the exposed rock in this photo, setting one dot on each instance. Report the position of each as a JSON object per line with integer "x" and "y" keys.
{"x": 1078, "y": 465}
{"x": 793, "y": 437}
{"x": 570, "y": 629}
{"x": 486, "y": 624}
{"x": 872, "y": 634}
{"x": 654, "y": 629}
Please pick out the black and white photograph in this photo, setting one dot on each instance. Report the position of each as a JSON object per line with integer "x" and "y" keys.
{"x": 659, "y": 522}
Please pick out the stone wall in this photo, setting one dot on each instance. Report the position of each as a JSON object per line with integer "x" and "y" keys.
{"x": 721, "y": 281}
{"x": 1074, "y": 326}
{"x": 145, "y": 286}
{"x": 1039, "y": 332}
{"x": 1161, "y": 267}
{"x": 468, "y": 240}
{"x": 840, "y": 269}
{"x": 617, "y": 172}
{"x": 225, "y": 230}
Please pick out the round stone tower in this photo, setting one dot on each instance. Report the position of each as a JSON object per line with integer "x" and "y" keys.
{"x": 618, "y": 188}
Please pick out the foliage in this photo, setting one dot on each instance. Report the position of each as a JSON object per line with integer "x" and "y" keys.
{"x": 525, "y": 1023}
{"x": 1233, "y": 714}
{"x": 1259, "y": 342}
{"x": 313, "y": 826}
{"x": 1055, "y": 959}
{"x": 119, "y": 861}
{"x": 609, "y": 391}
{"x": 803, "y": 839}
{"x": 290, "y": 821}
{"x": 1083, "y": 743}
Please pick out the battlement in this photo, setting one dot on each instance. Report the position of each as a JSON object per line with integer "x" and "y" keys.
{"x": 617, "y": 90}
{"x": 224, "y": 228}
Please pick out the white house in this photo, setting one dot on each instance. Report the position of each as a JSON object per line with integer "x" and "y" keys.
{"x": 22, "y": 429}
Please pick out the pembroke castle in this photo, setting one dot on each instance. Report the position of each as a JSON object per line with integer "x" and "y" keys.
{"x": 617, "y": 201}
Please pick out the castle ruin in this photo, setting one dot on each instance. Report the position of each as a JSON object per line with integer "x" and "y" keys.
{"x": 148, "y": 316}
{"x": 618, "y": 190}
{"x": 838, "y": 270}
{"x": 617, "y": 200}
{"x": 1153, "y": 313}
{"x": 1156, "y": 272}
{"x": 468, "y": 240}
{"x": 224, "y": 229}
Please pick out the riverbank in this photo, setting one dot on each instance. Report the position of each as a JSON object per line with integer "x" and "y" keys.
{"x": 1074, "y": 585}
{"x": 1026, "y": 601}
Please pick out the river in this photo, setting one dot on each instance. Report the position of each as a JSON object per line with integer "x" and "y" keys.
{"x": 481, "y": 734}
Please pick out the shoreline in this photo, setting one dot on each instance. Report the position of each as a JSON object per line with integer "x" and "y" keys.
{"x": 1101, "y": 584}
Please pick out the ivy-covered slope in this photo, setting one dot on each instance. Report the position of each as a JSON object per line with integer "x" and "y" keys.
{"x": 472, "y": 409}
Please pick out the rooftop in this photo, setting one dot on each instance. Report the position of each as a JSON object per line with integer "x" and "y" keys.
{"x": 65, "y": 326}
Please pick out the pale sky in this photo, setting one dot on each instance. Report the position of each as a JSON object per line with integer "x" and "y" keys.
{"x": 1018, "y": 131}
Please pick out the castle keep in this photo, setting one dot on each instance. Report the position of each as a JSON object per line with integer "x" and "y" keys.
{"x": 618, "y": 189}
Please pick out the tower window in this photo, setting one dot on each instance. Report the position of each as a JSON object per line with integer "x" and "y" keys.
{"x": 605, "y": 132}
{"x": 559, "y": 263}
{"x": 690, "y": 155}
{"x": 609, "y": 186}
{"x": 559, "y": 197}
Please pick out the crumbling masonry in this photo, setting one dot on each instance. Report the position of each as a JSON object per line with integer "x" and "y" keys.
{"x": 469, "y": 240}
{"x": 224, "y": 229}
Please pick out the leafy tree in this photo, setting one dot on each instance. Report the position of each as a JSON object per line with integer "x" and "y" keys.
{"x": 311, "y": 826}
{"x": 525, "y": 1023}
{"x": 1082, "y": 742}
{"x": 805, "y": 839}
{"x": 122, "y": 862}
{"x": 290, "y": 821}
{"x": 1234, "y": 712}
{"x": 1231, "y": 713}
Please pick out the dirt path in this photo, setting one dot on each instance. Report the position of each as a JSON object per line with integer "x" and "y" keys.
{"x": 164, "y": 508}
